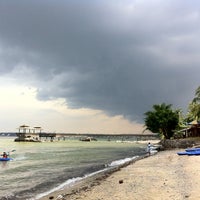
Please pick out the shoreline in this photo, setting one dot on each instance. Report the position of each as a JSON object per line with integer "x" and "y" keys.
{"x": 77, "y": 184}
{"x": 164, "y": 175}
{"x": 83, "y": 183}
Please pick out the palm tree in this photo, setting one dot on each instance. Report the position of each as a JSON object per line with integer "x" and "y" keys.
{"x": 194, "y": 111}
{"x": 194, "y": 107}
{"x": 197, "y": 95}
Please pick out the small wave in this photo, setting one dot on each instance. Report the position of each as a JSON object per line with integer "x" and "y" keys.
{"x": 69, "y": 182}
{"x": 72, "y": 181}
{"x": 122, "y": 161}
{"x": 20, "y": 158}
{"x": 61, "y": 186}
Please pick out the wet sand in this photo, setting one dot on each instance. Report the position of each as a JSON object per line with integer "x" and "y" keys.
{"x": 165, "y": 176}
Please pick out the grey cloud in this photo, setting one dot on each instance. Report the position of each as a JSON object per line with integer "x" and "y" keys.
{"x": 118, "y": 56}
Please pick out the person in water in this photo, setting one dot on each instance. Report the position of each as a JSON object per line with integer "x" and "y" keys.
{"x": 5, "y": 155}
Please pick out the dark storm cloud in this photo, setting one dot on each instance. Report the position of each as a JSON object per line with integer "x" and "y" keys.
{"x": 118, "y": 56}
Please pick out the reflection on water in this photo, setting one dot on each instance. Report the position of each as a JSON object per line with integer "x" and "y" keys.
{"x": 4, "y": 164}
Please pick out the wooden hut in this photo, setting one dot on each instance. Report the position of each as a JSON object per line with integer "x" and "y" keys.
{"x": 26, "y": 134}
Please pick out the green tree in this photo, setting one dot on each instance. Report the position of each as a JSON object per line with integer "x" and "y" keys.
{"x": 194, "y": 107}
{"x": 197, "y": 96}
{"x": 193, "y": 111}
{"x": 162, "y": 119}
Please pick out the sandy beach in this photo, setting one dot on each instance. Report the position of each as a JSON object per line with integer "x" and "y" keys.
{"x": 163, "y": 176}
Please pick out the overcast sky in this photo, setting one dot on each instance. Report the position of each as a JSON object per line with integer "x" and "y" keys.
{"x": 95, "y": 65}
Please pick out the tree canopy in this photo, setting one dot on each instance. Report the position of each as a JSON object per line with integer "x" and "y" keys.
{"x": 162, "y": 119}
{"x": 194, "y": 107}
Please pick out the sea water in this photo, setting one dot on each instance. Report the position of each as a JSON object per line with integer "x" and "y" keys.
{"x": 40, "y": 167}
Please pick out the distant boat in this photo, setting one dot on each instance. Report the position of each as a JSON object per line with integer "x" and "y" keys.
{"x": 88, "y": 139}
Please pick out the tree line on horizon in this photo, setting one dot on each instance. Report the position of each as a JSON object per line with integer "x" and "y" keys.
{"x": 166, "y": 121}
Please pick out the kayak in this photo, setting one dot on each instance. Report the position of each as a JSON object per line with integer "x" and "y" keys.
{"x": 5, "y": 159}
{"x": 190, "y": 152}
{"x": 193, "y": 153}
{"x": 192, "y": 149}
{"x": 182, "y": 153}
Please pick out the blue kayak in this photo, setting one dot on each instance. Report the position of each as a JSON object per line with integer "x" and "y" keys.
{"x": 192, "y": 149}
{"x": 5, "y": 159}
{"x": 193, "y": 153}
{"x": 190, "y": 152}
{"x": 182, "y": 153}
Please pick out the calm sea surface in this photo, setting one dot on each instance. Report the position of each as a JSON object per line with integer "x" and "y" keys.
{"x": 37, "y": 168}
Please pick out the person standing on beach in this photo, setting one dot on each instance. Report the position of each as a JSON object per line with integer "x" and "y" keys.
{"x": 149, "y": 148}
